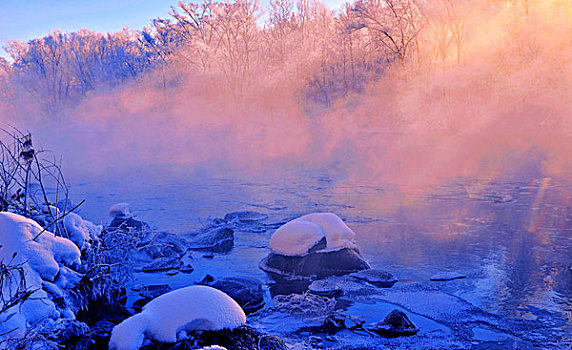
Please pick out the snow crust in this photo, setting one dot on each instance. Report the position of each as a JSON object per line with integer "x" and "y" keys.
{"x": 43, "y": 261}
{"x": 182, "y": 310}
{"x": 296, "y": 237}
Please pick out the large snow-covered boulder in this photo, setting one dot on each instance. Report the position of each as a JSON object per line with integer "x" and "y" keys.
{"x": 298, "y": 236}
{"x": 315, "y": 246}
{"x": 44, "y": 260}
{"x": 182, "y": 310}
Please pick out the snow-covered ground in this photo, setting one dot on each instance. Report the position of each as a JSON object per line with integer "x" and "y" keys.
{"x": 45, "y": 262}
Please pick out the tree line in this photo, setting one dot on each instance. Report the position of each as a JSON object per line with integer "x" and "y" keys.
{"x": 322, "y": 54}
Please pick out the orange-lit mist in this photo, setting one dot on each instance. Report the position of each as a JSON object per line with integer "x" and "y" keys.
{"x": 503, "y": 110}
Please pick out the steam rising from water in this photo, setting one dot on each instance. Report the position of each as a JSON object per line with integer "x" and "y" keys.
{"x": 504, "y": 111}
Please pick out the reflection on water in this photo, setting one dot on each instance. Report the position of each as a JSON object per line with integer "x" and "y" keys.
{"x": 512, "y": 240}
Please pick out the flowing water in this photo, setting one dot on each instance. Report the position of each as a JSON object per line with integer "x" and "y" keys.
{"x": 511, "y": 239}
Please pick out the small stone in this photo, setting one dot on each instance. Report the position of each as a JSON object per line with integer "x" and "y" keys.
{"x": 162, "y": 264}
{"x": 447, "y": 276}
{"x": 208, "y": 256}
{"x": 330, "y": 338}
{"x": 172, "y": 272}
{"x": 378, "y": 278}
{"x": 396, "y": 324}
{"x": 154, "y": 290}
{"x": 187, "y": 268}
{"x": 245, "y": 216}
{"x": 315, "y": 339}
{"x": 325, "y": 288}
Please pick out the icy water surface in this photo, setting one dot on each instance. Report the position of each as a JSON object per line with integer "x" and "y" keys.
{"x": 512, "y": 241}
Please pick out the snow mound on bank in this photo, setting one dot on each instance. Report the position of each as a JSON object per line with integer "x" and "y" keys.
{"x": 81, "y": 232}
{"x": 185, "y": 309}
{"x": 42, "y": 260}
{"x": 298, "y": 236}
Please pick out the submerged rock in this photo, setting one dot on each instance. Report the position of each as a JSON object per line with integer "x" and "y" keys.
{"x": 447, "y": 276}
{"x": 247, "y": 292}
{"x": 214, "y": 239}
{"x": 149, "y": 293}
{"x": 396, "y": 324}
{"x": 187, "y": 268}
{"x": 245, "y": 217}
{"x": 154, "y": 290}
{"x": 307, "y": 304}
{"x": 162, "y": 264}
{"x": 314, "y": 265}
{"x": 164, "y": 244}
{"x": 325, "y": 288}
{"x": 376, "y": 277}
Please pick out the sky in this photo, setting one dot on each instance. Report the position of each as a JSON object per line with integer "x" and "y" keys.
{"x": 28, "y": 19}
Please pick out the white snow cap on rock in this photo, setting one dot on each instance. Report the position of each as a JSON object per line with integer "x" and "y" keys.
{"x": 185, "y": 309}
{"x": 120, "y": 209}
{"x": 42, "y": 260}
{"x": 296, "y": 237}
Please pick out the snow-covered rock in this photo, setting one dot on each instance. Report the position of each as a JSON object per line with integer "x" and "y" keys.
{"x": 123, "y": 219}
{"x": 299, "y": 236}
{"x": 43, "y": 260}
{"x": 182, "y": 310}
{"x": 313, "y": 246}
{"x": 80, "y": 231}
{"x": 120, "y": 209}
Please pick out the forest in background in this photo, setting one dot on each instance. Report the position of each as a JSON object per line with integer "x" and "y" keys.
{"x": 464, "y": 76}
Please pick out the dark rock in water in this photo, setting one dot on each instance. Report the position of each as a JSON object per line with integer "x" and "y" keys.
{"x": 446, "y": 276}
{"x": 285, "y": 286}
{"x": 162, "y": 264}
{"x": 154, "y": 290}
{"x": 376, "y": 277}
{"x": 325, "y": 288}
{"x": 245, "y": 216}
{"x": 307, "y": 304}
{"x": 208, "y": 256}
{"x": 172, "y": 272}
{"x": 127, "y": 223}
{"x": 217, "y": 239}
{"x": 149, "y": 293}
{"x": 396, "y": 324}
{"x": 187, "y": 268}
{"x": 332, "y": 324}
{"x": 241, "y": 338}
{"x": 314, "y": 265}
{"x": 206, "y": 281}
{"x": 247, "y": 292}
{"x": 271, "y": 342}
{"x": 164, "y": 244}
